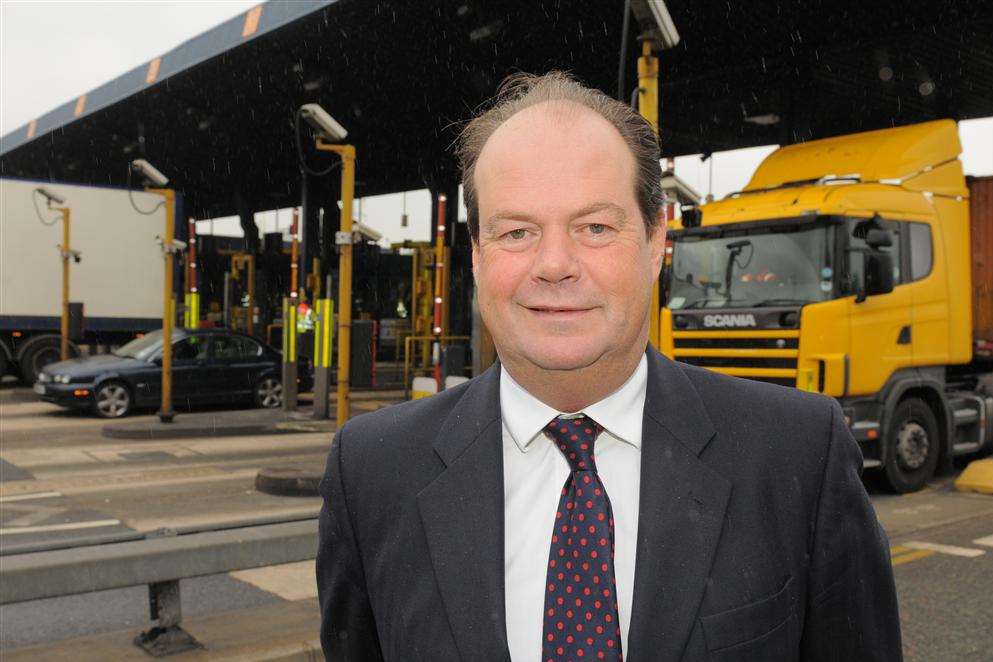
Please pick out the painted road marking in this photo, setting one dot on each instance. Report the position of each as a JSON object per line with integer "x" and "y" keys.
{"x": 945, "y": 549}
{"x": 25, "y": 497}
{"x": 985, "y": 542}
{"x": 911, "y": 556}
{"x": 68, "y": 526}
{"x": 33, "y": 513}
{"x": 900, "y": 555}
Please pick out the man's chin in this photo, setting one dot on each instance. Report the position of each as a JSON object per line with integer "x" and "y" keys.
{"x": 568, "y": 358}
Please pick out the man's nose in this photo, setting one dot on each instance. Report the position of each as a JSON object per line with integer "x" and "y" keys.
{"x": 556, "y": 258}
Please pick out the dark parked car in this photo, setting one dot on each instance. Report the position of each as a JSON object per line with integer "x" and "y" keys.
{"x": 208, "y": 366}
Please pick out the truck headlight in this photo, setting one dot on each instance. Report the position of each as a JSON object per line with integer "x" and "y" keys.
{"x": 61, "y": 379}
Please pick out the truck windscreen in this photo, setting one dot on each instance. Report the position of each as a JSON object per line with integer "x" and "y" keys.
{"x": 777, "y": 266}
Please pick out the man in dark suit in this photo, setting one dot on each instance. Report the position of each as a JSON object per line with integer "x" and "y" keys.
{"x": 586, "y": 497}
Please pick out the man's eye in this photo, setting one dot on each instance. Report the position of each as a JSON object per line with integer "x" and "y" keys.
{"x": 517, "y": 234}
{"x": 597, "y": 228}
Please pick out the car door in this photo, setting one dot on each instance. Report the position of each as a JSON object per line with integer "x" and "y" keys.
{"x": 189, "y": 369}
{"x": 234, "y": 363}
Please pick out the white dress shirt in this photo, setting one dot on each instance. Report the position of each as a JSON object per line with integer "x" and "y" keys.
{"x": 534, "y": 472}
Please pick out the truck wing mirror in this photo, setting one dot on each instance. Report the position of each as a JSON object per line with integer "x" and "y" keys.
{"x": 879, "y": 237}
{"x": 878, "y": 270}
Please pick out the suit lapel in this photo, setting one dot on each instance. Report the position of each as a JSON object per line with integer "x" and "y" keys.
{"x": 681, "y": 514}
{"x": 463, "y": 515}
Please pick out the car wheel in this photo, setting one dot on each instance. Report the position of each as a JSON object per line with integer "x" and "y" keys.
{"x": 269, "y": 393}
{"x": 911, "y": 446}
{"x": 113, "y": 400}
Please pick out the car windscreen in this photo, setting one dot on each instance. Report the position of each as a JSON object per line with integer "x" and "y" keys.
{"x": 144, "y": 347}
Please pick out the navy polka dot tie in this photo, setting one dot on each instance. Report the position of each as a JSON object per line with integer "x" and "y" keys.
{"x": 581, "y": 595}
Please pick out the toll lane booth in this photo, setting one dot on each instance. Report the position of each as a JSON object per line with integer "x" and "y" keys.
{"x": 216, "y": 113}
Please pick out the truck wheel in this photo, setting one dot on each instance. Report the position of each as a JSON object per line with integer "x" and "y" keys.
{"x": 912, "y": 446}
{"x": 39, "y": 353}
{"x": 113, "y": 400}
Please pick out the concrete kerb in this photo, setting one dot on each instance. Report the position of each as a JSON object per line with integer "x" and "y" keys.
{"x": 221, "y": 424}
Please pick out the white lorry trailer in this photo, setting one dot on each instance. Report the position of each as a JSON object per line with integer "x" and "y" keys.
{"x": 118, "y": 278}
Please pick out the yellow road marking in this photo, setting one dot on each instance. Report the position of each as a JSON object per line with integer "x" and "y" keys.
{"x": 912, "y": 556}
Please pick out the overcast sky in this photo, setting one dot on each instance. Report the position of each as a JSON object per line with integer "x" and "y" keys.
{"x": 51, "y": 52}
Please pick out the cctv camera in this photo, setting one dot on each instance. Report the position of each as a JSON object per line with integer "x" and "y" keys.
{"x": 326, "y": 125}
{"x": 51, "y": 197}
{"x": 149, "y": 172}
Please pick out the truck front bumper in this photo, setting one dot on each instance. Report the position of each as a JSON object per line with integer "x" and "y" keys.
{"x": 863, "y": 419}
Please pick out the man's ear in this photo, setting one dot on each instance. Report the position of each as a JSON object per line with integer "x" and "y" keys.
{"x": 657, "y": 242}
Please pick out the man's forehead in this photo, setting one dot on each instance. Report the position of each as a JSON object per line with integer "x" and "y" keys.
{"x": 547, "y": 119}
{"x": 550, "y": 140}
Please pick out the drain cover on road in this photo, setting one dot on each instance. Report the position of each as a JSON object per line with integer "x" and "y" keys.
{"x": 288, "y": 481}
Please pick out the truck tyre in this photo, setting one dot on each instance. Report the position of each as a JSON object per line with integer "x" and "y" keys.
{"x": 38, "y": 353}
{"x": 3, "y": 364}
{"x": 912, "y": 446}
{"x": 113, "y": 400}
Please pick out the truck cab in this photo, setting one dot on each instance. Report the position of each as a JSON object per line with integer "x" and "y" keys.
{"x": 844, "y": 267}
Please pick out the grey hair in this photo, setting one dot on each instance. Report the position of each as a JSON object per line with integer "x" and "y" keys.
{"x": 522, "y": 90}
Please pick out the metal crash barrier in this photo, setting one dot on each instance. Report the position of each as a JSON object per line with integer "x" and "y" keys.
{"x": 159, "y": 563}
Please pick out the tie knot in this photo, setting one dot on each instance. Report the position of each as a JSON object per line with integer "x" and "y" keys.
{"x": 575, "y": 438}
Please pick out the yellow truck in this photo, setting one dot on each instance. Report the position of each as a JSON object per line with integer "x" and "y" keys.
{"x": 860, "y": 267}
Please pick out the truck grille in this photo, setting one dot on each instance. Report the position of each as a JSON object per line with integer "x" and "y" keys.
{"x": 767, "y": 356}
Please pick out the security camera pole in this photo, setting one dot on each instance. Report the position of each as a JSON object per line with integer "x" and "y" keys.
{"x": 166, "y": 414}
{"x": 169, "y": 248}
{"x": 329, "y": 129}
{"x": 658, "y": 33}
{"x": 67, "y": 253}
{"x": 343, "y": 238}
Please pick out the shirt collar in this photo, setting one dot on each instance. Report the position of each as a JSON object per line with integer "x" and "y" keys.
{"x": 620, "y": 413}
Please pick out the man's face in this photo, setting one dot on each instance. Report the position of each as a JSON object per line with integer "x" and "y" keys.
{"x": 563, "y": 267}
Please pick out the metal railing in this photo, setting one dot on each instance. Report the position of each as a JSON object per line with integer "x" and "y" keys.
{"x": 158, "y": 562}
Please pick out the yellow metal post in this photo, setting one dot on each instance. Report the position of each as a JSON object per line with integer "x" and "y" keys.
{"x": 166, "y": 413}
{"x": 323, "y": 336}
{"x": 648, "y": 106}
{"x": 251, "y": 295}
{"x": 66, "y": 254}
{"x": 347, "y": 154}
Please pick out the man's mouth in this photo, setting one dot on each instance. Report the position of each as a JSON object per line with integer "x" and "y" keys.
{"x": 557, "y": 311}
